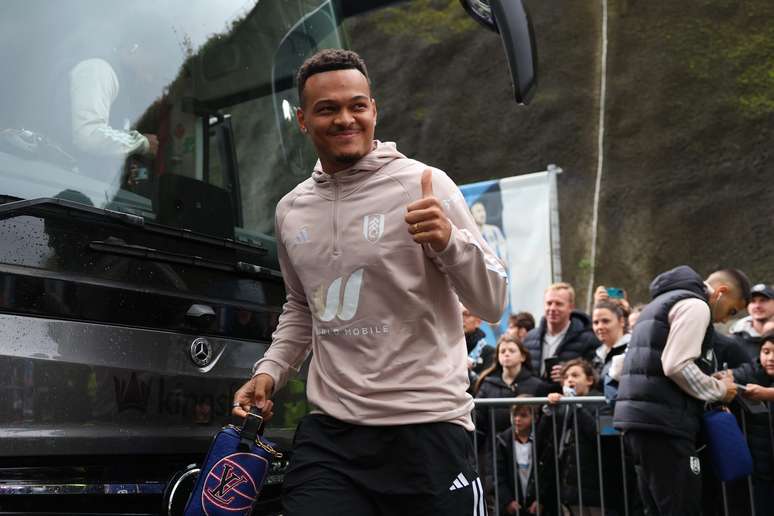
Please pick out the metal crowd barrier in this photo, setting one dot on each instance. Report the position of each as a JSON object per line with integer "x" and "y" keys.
{"x": 604, "y": 430}
{"x": 491, "y": 404}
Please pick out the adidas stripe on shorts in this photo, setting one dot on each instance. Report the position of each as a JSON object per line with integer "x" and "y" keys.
{"x": 338, "y": 468}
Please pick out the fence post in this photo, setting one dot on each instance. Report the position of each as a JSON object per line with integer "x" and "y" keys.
{"x": 577, "y": 454}
{"x": 749, "y": 477}
{"x": 556, "y": 463}
{"x": 625, "y": 475}
{"x": 494, "y": 461}
{"x": 535, "y": 461}
{"x": 599, "y": 463}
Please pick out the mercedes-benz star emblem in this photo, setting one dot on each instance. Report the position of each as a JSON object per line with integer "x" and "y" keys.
{"x": 201, "y": 352}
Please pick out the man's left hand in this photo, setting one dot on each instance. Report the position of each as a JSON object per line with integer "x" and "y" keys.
{"x": 427, "y": 223}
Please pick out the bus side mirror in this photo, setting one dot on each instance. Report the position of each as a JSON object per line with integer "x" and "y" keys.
{"x": 510, "y": 19}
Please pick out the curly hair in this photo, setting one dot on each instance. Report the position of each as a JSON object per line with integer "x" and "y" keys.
{"x": 328, "y": 60}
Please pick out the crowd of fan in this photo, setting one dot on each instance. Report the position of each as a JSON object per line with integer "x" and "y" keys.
{"x": 569, "y": 353}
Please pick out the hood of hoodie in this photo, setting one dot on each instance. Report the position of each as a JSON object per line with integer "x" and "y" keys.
{"x": 679, "y": 278}
{"x": 381, "y": 155}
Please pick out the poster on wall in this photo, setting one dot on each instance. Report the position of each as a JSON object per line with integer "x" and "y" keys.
{"x": 518, "y": 218}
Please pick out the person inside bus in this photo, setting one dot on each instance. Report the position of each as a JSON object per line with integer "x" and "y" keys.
{"x": 106, "y": 90}
{"x": 99, "y": 127}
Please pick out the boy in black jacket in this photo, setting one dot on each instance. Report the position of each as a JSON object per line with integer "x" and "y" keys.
{"x": 516, "y": 464}
{"x": 759, "y": 380}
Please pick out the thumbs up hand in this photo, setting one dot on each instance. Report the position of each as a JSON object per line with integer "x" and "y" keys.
{"x": 427, "y": 223}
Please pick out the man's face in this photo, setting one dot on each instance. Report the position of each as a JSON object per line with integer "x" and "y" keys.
{"x": 725, "y": 304}
{"x": 339, "y": 115}
{"x": 469, "y": 321}
{"x": 558, "y": 307}
{"x": 479, "y": 213}
{"x": 761, "y": 308}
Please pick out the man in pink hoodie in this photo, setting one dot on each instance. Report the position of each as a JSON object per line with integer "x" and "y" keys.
{"x": 377, "y": 251}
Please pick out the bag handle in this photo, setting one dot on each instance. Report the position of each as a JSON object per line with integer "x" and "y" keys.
{"x": 251, "y": 429}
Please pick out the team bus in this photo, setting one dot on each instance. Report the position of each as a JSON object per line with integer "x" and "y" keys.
{"x": 143, "y": 148}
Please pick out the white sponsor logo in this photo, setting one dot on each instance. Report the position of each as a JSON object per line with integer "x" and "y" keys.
{"x": 373, "y": 227}
{"x": 330, "y": 302}
{"x": 356, "y": 331}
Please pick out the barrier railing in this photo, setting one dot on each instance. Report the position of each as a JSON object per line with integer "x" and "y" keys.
{"x": 571, "y": 404}
{"x": 738, "y": 502}
{"x": 567, "y": 408}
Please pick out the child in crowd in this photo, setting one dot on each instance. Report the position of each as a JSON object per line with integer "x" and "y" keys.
{"x": 515, "y": 470}
{"x": 508, "y": 377}
{"x": 758, "y": 378}
{"x": 578, "y": 379}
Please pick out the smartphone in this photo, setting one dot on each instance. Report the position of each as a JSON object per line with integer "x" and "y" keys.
{"x": 616, "y": 293}
{"x": 549, "y": 364}
{"x": 740, "y": 387}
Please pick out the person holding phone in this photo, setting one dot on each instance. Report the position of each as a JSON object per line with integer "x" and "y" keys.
{"x": 563, "y": 334}
{"x": 666, "y": 383}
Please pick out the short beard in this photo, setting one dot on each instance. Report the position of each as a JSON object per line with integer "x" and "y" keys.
{"x": 348, "y": 159}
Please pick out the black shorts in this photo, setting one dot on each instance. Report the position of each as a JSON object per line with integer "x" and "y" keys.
{"x": 342, "y": 469}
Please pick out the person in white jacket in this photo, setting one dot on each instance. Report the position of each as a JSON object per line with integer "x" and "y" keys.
{"x": 377, "y": 251}
{"x": 94, "y": 87}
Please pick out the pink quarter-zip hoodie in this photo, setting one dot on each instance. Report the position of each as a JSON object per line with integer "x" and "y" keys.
{"x": 379, "y": 312}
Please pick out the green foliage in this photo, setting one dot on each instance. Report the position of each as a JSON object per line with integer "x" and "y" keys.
{"x": 429, "y": 21}
{"x": 293, "y": 411}
{"x": 419, "y": 114}
{"x": 733, "y": 51}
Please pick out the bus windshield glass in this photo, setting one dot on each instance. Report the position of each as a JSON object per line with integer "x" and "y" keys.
{"x": 182, "y": 113}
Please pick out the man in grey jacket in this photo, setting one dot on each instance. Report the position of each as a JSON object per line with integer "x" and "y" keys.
{"x": 377, "y": 251}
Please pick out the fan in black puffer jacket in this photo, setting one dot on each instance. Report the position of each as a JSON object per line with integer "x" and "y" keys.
{"x": 568, "y": 467}
{"x": 759, "y": 426}
{"x": 578, "y": 342}
{"x": 493, "y": 386}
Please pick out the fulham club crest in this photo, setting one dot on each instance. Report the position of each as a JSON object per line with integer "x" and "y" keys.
{"x": 373, "y": 227}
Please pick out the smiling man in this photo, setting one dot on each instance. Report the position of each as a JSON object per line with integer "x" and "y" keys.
{"x": 563, "y": 333}
{"x": 377, "y": 251}
{"x": 761, "y": 310}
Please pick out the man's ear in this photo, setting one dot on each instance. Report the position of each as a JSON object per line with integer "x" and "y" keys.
{"x": 720, "y": 290}
{"x": 376, "y": 113}
{"x": 300, "y": 120}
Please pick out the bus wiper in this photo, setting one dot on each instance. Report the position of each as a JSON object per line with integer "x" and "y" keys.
{"x": 16, "y": 208}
